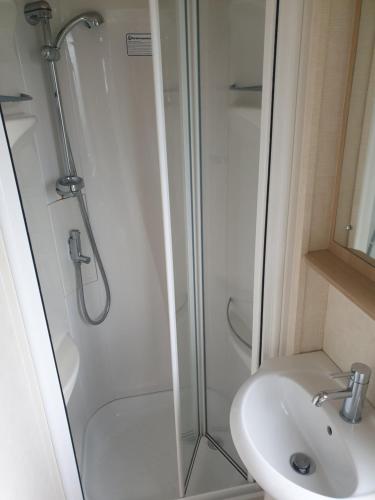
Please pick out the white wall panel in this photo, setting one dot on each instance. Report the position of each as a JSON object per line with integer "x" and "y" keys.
{"x": 109, "y": 102}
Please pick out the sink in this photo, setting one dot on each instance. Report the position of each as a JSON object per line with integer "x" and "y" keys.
{"x": 272, "y": 418}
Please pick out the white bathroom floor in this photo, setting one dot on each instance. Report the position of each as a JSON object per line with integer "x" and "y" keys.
{"x": 130, "y": 454}
{"x": 212, "y": 471}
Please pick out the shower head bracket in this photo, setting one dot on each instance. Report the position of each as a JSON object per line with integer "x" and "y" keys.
{"x": 50, "y": 53}
{"x": 35, "y": 12}
{"x": 69, "y": 185}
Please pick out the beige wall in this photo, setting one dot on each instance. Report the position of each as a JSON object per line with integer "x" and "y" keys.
{"x": 315, "y": 314}
{"x": 325, "y": 57}
{"x": 334, "y": 25}
{"x": 349, "y": 335}
{"x": 332, "y": 322}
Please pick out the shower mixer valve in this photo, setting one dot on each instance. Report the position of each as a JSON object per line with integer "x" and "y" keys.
{"x": 75, "y": 248}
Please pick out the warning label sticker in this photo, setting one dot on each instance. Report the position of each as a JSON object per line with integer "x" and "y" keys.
{"x": 138, "y": 44}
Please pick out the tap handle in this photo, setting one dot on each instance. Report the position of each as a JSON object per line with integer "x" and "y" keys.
{"x": 341, "y": 374}
{"x": 359, "y": 373}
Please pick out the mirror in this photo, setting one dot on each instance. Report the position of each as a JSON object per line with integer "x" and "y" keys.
{"x": 355, "y": 216}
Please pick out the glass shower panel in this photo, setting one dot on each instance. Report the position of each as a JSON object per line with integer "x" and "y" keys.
{"x": 176, "y": 108}
{"x": 116, "y": 375}
{"x": 231, "y": 36}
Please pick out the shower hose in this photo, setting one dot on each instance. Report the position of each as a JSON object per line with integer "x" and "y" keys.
{"x": 80, "y": 292}
{"x": 81, "y": 302}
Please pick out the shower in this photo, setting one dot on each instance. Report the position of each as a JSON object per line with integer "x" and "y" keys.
{"x": 137, "y": 158}
{"x": 70, "y": 184}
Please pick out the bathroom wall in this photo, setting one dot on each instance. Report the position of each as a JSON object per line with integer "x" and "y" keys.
{"x": 349, "y": 335}
{"x": 22, "y": 72}
{"x": 325, "y": 52}
{"x": 230, "y": 149}
{"x": 316, "y": 314}
{"x": 28, "y": 459}
{"x": 109, "y": 102}
{"x": 110, "y": 106}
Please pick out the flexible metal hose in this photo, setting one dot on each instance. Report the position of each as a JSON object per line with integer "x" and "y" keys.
{"x": 80, "y": 292}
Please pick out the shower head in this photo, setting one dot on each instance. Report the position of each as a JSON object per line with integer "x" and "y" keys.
{"x": 92, "y": 19}
{"x": 41, "y": 12}
{"x": 89, "y": 19}
{"x": 35, "y": 12}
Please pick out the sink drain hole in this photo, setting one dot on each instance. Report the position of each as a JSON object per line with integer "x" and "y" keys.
{"x": 302, "y": 464}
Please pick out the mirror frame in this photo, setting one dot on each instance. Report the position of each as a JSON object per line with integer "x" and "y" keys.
{"x": 353, "y": 260}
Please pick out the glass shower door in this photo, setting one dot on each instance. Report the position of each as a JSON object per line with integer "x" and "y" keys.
{"x": 177, "y": 128}
{"x": 211, "y": 81}
{"x": 230, "y": 44}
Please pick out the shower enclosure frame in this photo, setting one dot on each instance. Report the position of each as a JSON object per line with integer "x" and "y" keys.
{"x": 13, "y": 227}
{"x": 262, "y": 297}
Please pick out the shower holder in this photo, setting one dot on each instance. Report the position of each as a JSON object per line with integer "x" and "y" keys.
{"x": 69, "y": 185}
{"x": 50, "y": 53}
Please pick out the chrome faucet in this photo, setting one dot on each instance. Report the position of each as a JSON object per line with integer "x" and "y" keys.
{"x": 354, "y": 395}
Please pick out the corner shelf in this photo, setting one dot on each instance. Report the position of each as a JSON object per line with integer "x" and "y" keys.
{"x": 18, "y": 125}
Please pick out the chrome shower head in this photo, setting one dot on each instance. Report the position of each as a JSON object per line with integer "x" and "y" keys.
{"x": 89, "y": 19}
{"x": 92, "y": 19}
{"x": 41, "y": 12}
{"x": 35, "y": 12}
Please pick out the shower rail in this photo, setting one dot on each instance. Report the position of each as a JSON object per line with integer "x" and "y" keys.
{"x": 70, "y": 185}
{"x": 237, "y": 335}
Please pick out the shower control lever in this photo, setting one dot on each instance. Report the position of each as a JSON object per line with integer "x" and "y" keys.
{"x": 75, "y": 248}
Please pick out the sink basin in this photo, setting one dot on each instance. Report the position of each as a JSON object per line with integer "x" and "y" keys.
{"x": 272, "y": 418}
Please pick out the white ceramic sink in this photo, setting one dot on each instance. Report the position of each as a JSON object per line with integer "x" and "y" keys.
{"x": 272, "y": 417}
